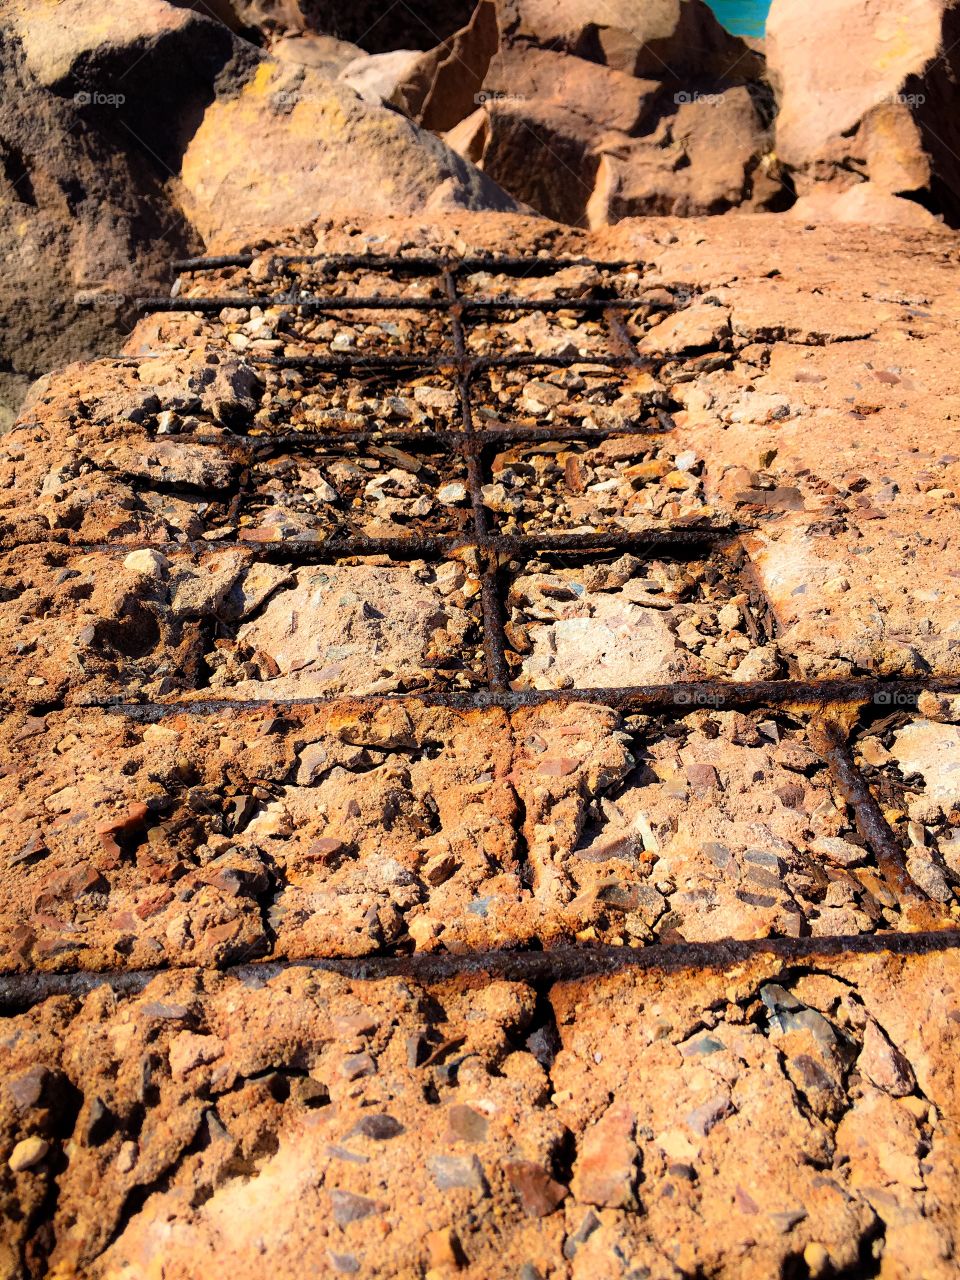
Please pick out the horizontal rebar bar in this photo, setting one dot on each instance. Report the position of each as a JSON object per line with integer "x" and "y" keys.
{"x": 442, "y": 441}
{"x": 392, "y": 302}
{"x": 20, "y": 991}
{"x": 497, "y": 546}
{"x": 676, "y": 699}
{"x": 433, "y": 264}
{"x": 448, "y": 364}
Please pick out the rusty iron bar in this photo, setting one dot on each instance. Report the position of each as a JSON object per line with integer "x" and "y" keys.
{"x": 410, "y": 364}
{"x": 496, "y": 547}
{"x": 447, "y": 365}
{"x": 669, "y": 539}
{"x": 567, "y": 963}
{"x": 832, "y": 742}
{"x": 433, "y": 264}
{"x": 304, "y": 302}
{"x": 589, "y": 306}
{"x": 494, "y": 640}
{"x": 524, "y": 359}
{"x": 443, "y": 441}
{"x": 405, "y": 548}
{"x": 675, "y": 700}
{"x": 384, "y": 302}
{"x": 413, "y": 546}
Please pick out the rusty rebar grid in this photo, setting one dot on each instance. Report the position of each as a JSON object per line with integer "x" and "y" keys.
{"x": 492, "y": 549}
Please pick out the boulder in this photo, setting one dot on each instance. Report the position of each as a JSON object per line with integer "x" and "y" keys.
{"x": 868, "y": 92}
{"x": 866, "y": 202}
{"x": 663, "y": 39}
{"x": 321, "y": 148}
{"x": 591, "y": 117}
{"x": 541, "y": 121}
{"x": 601, "y": 97}
{"x": 452, "y": 77}
{"x": 378, "y": 76}
{"x": 440, "y": 86}
{"x": 712, "y": 155}
{"x": 91, "y": 216}
{"x": 324, "y": 53}
{"x": 541, "y": 154}
{"x": 700, "y": 154}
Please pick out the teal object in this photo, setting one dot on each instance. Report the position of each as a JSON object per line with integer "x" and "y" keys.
{"x": 742, "y": 17}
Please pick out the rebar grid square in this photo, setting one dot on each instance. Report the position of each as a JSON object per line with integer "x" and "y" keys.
{"x": 478, "y": 536}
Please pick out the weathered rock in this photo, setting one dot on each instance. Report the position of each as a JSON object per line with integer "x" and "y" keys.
{"x": 304, "y": 122}
{"x": 884, "y": 1065}
{"x": 606, "y": 1169}
{"x": 711, "y": 155}
{"x": 737, "y": 1100}
{"x": 376, "y": 27}
{"x": 27, "y": 1153}
{"x": 309, "y": 49}
{"x": 271, "y": 1120}
{"x": 867, "y": 203}
{"x": 90, "y": 216}
{"x": 682, "y": 37}
{"x": 886, "y": 123}
{"x": 700, "y": 152}
{"x": 377, "y": 77}
{"x": 445, "y": 89}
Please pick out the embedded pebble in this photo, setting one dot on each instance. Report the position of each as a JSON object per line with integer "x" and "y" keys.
{"x": 27, "y": 1153}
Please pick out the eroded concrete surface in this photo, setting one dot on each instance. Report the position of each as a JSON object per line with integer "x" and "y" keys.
{"x": 258, "y": 920}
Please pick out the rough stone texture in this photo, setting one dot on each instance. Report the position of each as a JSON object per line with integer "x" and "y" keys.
{"x": 217, "y": 838}
{"x": 711, "y": 156}
{"x": 644, "y": 1115}
{"x": 681, "y": 35}
{"x": 306, "y": 126}
{"x": 831, "y": 429}
{"x": 88, "y": 220}
{"x": 822, "y": 420}
{"x": 712, "y": 1070}
{"x": 94, "y": 624}
{"x": 886, "y": 122}
{"x": 713, "y": 826}
{"x": 592, "y": 121}
{"x": 607, "y": 625}
{"x": 350, "y": 830}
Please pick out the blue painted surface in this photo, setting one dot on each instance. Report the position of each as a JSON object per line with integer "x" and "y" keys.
{"x": 742, "y": 17}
